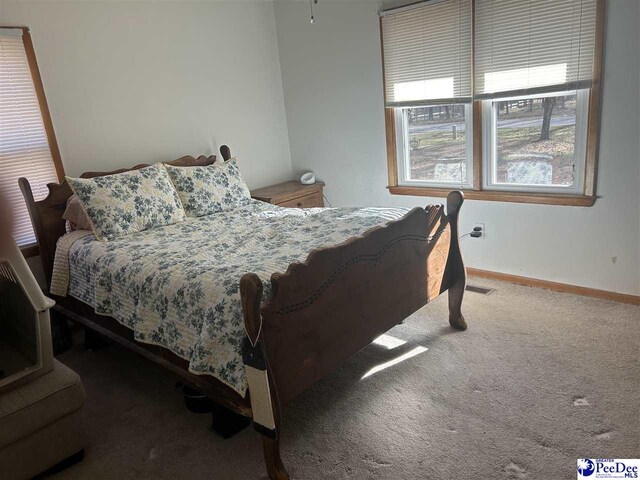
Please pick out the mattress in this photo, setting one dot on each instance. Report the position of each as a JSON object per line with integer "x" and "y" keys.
{"x": 178, "y": 286}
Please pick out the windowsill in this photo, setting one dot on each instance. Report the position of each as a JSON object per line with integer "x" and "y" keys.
{"x": 495, "y": 196}
{"x": 30, "y": 250}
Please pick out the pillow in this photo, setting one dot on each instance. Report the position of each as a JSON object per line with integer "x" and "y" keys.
{"x": 210, "y": 189}
{"x": 75, "y": 215}
{"x": 128, "y": 202}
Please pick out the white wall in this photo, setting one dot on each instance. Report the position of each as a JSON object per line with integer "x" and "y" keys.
{"x": 331, "y": 74}
{"x": 131, "y": 82}
{"x": 142, "y": 81}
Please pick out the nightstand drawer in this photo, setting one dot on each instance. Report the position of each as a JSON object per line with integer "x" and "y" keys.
{"x": 307, "y": 201}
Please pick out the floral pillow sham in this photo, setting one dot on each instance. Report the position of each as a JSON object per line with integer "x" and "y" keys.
{"x": 210, "y": 189}
{"x": 128, "y": 202}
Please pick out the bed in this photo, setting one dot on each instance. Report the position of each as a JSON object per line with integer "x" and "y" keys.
{"x": 255, "y": 305}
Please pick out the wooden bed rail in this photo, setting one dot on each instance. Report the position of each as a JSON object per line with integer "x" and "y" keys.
{"x": 326, "y": 309}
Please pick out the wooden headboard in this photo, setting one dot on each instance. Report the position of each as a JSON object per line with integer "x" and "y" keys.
{"x": 46, "y": 214}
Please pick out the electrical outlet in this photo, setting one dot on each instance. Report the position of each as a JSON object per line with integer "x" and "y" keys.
{"x": 483, "y": 232}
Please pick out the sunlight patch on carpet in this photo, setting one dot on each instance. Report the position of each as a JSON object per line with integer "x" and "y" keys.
{"x": 389, "y": 341}
{"x": 395, "y": 361}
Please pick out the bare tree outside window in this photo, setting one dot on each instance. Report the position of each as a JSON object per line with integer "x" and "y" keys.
{"x": 535, "y": 141}
{"x": 547, "y": 106}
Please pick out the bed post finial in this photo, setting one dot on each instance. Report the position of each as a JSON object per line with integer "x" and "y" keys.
{"x": 454, "y": 202}
{"x": 225, "y": 151}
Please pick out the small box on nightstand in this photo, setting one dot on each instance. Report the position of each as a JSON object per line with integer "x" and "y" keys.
{"x": 291, "y": 194}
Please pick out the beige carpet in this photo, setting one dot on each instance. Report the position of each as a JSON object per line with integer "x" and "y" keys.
{"x": 539, "y": 380}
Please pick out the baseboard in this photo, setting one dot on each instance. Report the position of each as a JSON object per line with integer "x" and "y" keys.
{"x": 558, "y": 287}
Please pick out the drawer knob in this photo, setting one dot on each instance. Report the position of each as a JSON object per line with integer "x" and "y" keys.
{"x": 299, "y": 204}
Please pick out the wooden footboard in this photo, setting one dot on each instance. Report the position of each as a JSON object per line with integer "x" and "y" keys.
{"x": 328, "y": 308}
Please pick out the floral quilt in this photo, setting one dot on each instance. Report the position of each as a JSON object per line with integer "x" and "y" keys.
{"x": 178, "y": 286}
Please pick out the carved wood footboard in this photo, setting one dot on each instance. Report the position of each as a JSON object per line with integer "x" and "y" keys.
{"x": 338, "y": 301}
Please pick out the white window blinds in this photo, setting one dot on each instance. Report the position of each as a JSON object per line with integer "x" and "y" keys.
{"x": 24, "y": 149}
{"x": 534, "y": 46}
{"x": 427, "y": 53}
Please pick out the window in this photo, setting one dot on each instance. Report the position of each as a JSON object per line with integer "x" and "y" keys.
{"x": 536, "y": 143}
{"x": 428, "y": 76}
{"x": 499, "y": 99}
{"x": 27, "y": 144}
{"x": 434, "y": 146}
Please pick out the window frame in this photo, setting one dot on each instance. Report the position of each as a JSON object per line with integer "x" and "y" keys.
{"x": 489, "y": 141}
{"x": 402, "y": 141}
{"x": 584, "y": 194}
{"x": 32, "y": 250}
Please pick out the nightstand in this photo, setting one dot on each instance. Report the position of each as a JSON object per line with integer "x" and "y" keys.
{"x": 291, "y": 194}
